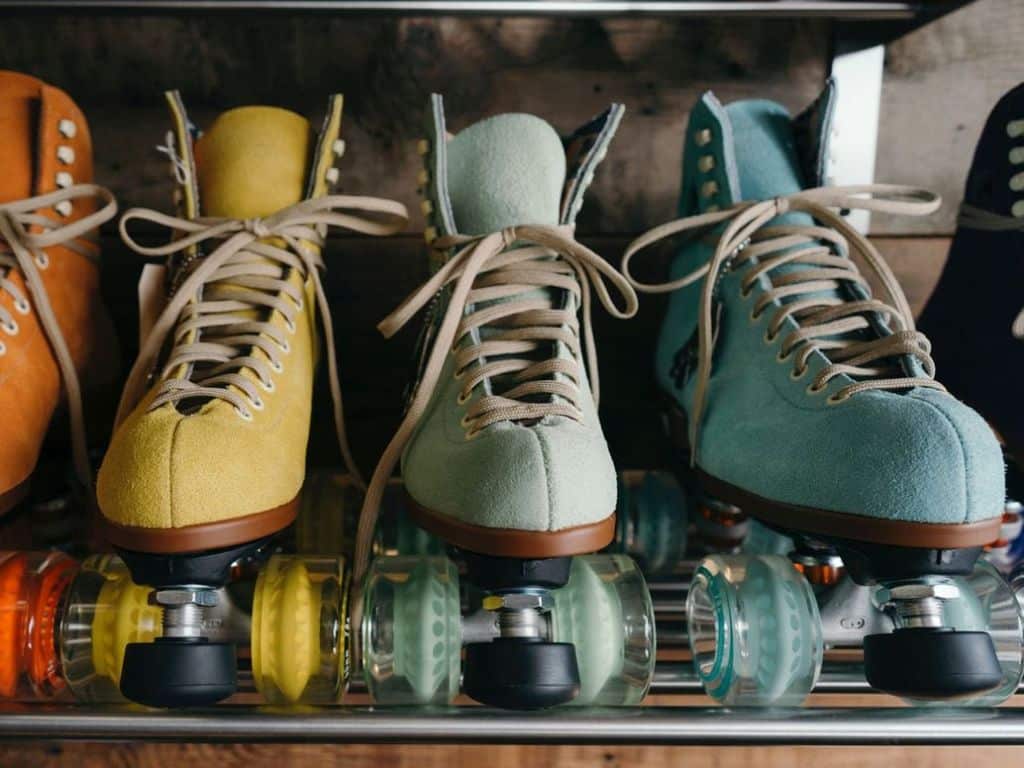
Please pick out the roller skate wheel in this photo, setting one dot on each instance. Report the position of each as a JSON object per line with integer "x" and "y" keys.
{"x": 605, "y": 612}
{"x": 123, "y": 615}
{"x": 285, "y": 630}
{"x": 412, "y": 630}
{"x": 653, "y": 515}
{"x": 754, "y": 630}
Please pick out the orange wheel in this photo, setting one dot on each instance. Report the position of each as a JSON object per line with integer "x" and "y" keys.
{"x": 12, "y": 620}
{"x": 43, "y": 663}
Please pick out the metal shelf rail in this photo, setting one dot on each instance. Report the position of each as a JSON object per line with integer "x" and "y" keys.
{"x": 834, "y": 9}
{"x": 639, "y": 725}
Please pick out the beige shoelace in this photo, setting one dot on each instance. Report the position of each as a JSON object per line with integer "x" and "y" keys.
{"x": 25, "y": 235}
{"x": 494, "y": 282}
{"x": 978, "y": 218}
{"x": 823, "y": 321}
{"x": 220, "y": 314}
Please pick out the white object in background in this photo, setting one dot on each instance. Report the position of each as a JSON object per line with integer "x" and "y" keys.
{"x": 851, "y": 155}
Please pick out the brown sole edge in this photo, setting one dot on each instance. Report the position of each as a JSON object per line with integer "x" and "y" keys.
{"x": 843, "y": 525}
{"x": 509, "y": 542}
{"x": 10, "y": 498}
{"x": 203, "y": 537}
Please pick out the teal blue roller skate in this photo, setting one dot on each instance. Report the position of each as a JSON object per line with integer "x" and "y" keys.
{"x": 803, "y": 402}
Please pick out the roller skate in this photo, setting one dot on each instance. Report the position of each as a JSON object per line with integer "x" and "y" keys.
{"x": 56, "y": 338}
{"x": 810, "y": 407}
{"x": 65, "y": 627}
{"x": 980, "y": 353}
{"x": 502, "y": 453}
{"x": 208, "y": 454}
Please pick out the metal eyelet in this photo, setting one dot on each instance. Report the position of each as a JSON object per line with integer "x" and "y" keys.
{"x": 300, "y": 304}
{"x": 67, "y": 128}
{"x": 782, "y": 358}
{"x": 23, "y": 306}
{"x": 285, "y": 347}
{"x": 3, "y": 348}
{"x": 268, "y": 385}
{"x": 463, "y": 400}
{"x": 42, "y": 260}
{"x": 797, "y": 374}
{"x": 11, "y": 328}
{"x": 769, "y": 338}
{"x": 256, "y": 403}
{"x": 290, "y": 325}
{"x": 746, "y": 291}
{"x": 755, "y": 317}
{"x": 243, "y": 414}
{"x": 471, "y": 434}
{"x": 836, "y": 398}
{"x": 813, "y": 390}
{"x": 277, "y": 366}
{"x": 459, "y": 375}
{"x": 63, "y": 208}
{"x": 464, "y": 422}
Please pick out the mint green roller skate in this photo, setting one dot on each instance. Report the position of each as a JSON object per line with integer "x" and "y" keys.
{"x": 501, "y": 449}
{"x": 803, "y": 402}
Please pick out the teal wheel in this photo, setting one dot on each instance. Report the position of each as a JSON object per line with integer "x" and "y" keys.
{"x": 754, "y": 630}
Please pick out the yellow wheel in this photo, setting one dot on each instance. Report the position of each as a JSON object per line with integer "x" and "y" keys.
{"x": 297, "y": 630}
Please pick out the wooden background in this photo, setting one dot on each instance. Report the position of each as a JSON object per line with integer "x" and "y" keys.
{"x": 940, "y": 83}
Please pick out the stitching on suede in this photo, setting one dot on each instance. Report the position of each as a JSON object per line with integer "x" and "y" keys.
{"x": 548, "y": 474}
{"x": 170, "y": 469}
{"x": 963, "y": 454}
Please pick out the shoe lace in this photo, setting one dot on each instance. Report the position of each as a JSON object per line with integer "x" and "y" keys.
{"x": 973, "y": 217}
{"x": 494, "y": 281}
{"x": 25, "y": 234}
{"x": 844, "y": 330}
{"x": 220, "y": 314}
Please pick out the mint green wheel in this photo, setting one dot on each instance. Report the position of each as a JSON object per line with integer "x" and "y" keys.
{"x": 754, "y": 630}
{"x": 605, "y": 611}
{"x": 412, "y": 630}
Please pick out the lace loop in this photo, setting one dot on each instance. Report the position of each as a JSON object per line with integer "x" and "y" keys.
{"x": 747, "y": 240}
{"x": 217, "y": 316}
{"x": 508, "y": 266}
{"x": 24, "y": 235}
{"x": 973, "y": 217}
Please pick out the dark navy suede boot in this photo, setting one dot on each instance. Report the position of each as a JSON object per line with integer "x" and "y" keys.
{"x": 975, "y": 317}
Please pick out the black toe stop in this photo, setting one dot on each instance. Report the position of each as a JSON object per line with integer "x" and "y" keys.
{"x": 172, "y": 672}
{"x": 521, "y": 674}
{"x": 931, "y": 663}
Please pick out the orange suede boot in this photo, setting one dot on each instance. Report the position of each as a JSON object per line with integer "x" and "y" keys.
{"x": 55, "y": 334}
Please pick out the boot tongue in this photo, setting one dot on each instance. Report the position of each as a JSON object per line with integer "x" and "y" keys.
{"x": 19, "y": 106}
{"x": 764, "y": 144}
{"x": 505, "y": 171}
{"x": 252, "y": 162}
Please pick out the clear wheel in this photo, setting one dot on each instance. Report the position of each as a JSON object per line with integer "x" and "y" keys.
{"x": 32, "y": 587}
{"x": 105, "y": 612}
{"x": 605, "y": 612}
{"x": 754, "y": 630}
{"x": 652, "y": 519}
{"x": 412, "y": 631}
{"x": 298, "y": 639}
{"x": 762, "y": 540}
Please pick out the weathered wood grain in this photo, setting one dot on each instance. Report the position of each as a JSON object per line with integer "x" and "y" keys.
{"x": 563, "y": 70}
{"x": 361, "y": 756}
